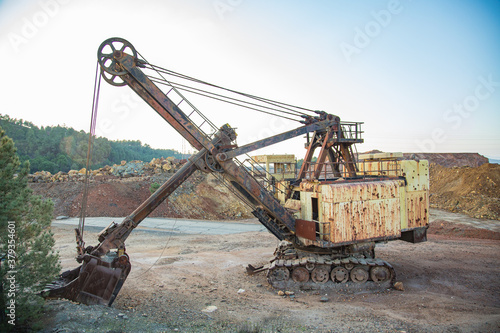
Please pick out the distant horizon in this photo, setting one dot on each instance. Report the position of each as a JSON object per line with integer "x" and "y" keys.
{"x": 497, "y": 159}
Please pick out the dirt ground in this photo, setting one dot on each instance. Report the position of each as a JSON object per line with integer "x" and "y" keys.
{"x": 193, "y": 283}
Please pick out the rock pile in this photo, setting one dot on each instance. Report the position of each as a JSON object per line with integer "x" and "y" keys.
{"x": 123, "y": 170}
{"x": 471, "y": 191}
{"x": 450, "y": 160}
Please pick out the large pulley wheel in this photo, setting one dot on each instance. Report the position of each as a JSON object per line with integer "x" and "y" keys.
{"x": 111, "y": 70}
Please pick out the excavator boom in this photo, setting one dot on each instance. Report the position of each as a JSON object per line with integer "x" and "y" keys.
{"x": 120, "y": 66}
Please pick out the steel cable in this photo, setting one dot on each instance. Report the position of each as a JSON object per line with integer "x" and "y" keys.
{"x": 205, "y": 119}
{"x": 211, "y": 95}
{"x": 170, "y": 72}
{"x": 287, "y": 108}
{"x": 93, "y": 120}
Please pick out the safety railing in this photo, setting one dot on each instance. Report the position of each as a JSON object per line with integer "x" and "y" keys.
{"x": 364, "y": 168}
{"x": 259, "y": 173}
{"x": 349, "y": 132}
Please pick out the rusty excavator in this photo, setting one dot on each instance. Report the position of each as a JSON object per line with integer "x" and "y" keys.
{"x": 328, "y": 218}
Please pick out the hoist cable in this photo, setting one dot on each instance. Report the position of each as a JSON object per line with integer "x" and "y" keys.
{"x": 206, "y": 120}
{"x": 170, "y": 72}
{"x": 93, "y": 120}
{"x": 262, "y": 99}
{"x": 209, "y": 94}
{"x": 206, "y": 94}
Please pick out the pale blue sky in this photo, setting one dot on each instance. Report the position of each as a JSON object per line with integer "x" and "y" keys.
{"x": 422, "y": 75}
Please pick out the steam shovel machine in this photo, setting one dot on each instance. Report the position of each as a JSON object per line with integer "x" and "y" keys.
{"x": 328, "y": 218}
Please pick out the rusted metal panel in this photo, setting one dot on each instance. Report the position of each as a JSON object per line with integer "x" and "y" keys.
{"x": 306, "y": 229}
{"x": 309, "y": 186}
{"x": 362, "y": 211}
{"x": 416, "y": 174}
{"x": 293, "y": 205}
{"x": 404, "y": 208}
{"x": 417, "y": 192}
{"x": 414, "y": 199}
{"x": 360, "y": 191}
{"x": 163, "y": 105}
{"x": 324, "y": 231}
{"x": 286, "y": 158}
{"x": 417, "y": 203}
{"x": 305, "y": 203}
{"x": 390, "y": 168}
{"x": 380, "y": 156}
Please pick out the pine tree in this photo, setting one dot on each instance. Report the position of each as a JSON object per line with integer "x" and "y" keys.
{"x": 27, "y": 260}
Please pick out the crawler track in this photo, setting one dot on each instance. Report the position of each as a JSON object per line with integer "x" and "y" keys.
{"x": 322, "y": 272}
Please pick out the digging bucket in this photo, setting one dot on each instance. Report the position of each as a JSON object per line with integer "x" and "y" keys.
{"x": 96, "y": 281}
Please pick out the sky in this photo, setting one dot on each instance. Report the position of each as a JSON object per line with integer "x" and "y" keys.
{"x": 422, "y": 76}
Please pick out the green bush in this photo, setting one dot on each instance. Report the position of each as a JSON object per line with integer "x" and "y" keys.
{"x": 154, "y": 187}
{"x": 27, "y": 260}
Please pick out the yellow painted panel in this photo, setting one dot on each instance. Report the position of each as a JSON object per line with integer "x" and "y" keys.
{"x": 418, "y": 209}
{"x": 380, "y": 156}
{"x": 343, "y": 192}
{"x": 404, "y": 210}
{"x": 274, "y": 158}
{"x": 390, "y": 168}
{"x": 361, "y": 211}
{"x": 306, "y": 211}
{"x": 416, "y": 174}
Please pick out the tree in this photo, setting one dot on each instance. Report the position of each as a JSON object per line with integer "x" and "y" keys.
{"x": 61, "y": 149}
{"x": 27, "y": 260}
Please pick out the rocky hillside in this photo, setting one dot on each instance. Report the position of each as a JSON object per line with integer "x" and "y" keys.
{"x": 450, "y": 159}
{"x": 118, "y": 190}
{"x": 472, "y": 191}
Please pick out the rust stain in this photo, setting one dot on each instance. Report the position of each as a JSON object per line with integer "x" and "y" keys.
{"x": 417, "y": 206}
{"x": 306, "y": 229}
{"x": 361, "y": 211}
